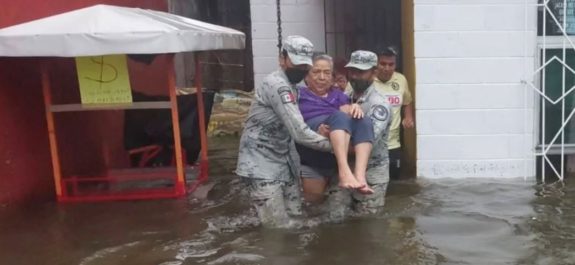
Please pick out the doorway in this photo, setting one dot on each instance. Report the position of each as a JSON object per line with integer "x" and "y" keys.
{"x": 371, "y": 25}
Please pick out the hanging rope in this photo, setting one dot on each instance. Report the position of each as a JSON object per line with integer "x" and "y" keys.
{"x": 279, "y": 22}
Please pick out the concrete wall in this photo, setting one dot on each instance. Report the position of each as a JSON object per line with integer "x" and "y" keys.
{"x": 474, "y": 115}
{"x": 299, "y": 17}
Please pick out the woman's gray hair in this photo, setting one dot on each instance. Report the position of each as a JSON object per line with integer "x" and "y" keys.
{"x": 324, "y": 57}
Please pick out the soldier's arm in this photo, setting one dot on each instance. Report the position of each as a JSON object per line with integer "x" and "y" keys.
{"x": 284, "y": 105}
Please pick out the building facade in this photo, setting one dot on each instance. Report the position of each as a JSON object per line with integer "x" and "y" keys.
{"x": 468, "y": 62}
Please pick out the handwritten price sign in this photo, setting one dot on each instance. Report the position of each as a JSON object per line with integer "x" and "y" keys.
{"x": 104, "y": 79}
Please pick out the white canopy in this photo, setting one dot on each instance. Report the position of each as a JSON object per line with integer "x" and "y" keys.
{"x": 104, "y": 29}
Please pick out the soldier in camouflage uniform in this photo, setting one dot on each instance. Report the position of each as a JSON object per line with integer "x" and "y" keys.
{"x": 267, "y": 159}
{"x": 361, "y": 74}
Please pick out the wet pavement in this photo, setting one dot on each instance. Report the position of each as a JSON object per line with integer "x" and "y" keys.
{"x": 470, "y": 221}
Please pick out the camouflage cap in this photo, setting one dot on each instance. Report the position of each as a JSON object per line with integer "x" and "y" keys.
{"x": 362, "y": 60}
{"x": 299, "y": 49}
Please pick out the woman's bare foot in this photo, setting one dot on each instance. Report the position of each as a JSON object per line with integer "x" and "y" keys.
{"x": 348, "y": 181}
{"x": 365, "y": 190}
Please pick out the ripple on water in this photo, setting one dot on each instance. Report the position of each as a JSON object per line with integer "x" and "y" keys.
{"x": 105, "y": 253}
{"x": 237, "y": 258}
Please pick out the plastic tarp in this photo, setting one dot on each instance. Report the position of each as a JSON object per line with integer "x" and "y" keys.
{"x": 105, "y": 29}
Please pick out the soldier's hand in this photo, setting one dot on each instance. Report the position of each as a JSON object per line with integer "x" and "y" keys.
{"x": 355, "y": 111}
{"x": 323, "y": 130}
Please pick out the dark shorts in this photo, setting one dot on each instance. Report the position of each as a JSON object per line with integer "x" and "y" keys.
{"x": 318, "y": 173}
{"x": 395, "y": 163}
{"x": 361, "y": 130}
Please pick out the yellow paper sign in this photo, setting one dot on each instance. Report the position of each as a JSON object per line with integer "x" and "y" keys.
{"x": 104, "y": 79}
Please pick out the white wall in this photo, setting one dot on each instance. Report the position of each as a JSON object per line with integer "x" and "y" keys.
{"x": 299, "y": 17}
{"x": 474, "y": 115}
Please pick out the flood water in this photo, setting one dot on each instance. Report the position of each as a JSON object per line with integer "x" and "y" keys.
{"x": 469, "y": 221}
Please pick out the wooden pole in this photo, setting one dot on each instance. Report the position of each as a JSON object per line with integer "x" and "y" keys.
{"x": 409, "y": 145}
{"x": 180, "y": 181}
{"x": 56, "y": 170}
{"x": 202, "y": 120}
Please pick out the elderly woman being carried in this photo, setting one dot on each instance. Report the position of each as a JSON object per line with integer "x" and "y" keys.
{"x": 328, "y": 109}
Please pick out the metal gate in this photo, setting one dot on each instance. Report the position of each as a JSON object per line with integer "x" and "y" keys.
{"x": 554, "y": 82}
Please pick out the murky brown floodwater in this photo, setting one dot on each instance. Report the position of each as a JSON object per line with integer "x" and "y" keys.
{"x": 425, "y": 222}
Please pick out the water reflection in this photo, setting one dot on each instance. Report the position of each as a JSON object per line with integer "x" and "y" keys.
{"x": 552, "y": 226}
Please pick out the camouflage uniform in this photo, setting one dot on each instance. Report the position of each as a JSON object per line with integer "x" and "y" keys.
{"x": 378, "y": 109}
{"x": 267, "y": 158}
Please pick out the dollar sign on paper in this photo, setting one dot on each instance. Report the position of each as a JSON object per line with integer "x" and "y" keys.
{"x": 103, "y": 67}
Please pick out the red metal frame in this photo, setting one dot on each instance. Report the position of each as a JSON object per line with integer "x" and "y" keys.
{"x": 204, "y": 165}
{"x": 68, "y": 189}
{"x": 146, "y": 152}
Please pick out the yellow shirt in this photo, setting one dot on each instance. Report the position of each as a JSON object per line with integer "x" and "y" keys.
{"x": 396, "y": 91}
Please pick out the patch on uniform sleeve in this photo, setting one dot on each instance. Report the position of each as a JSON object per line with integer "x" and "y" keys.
{"x": 287, "y": 97}
{"x": 380, "y": 113}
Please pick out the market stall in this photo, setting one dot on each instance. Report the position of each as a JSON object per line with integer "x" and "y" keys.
{"x": 101, "y": 38}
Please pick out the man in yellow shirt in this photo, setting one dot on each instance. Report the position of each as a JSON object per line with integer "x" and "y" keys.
{"x": 394, "y": 87}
